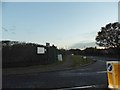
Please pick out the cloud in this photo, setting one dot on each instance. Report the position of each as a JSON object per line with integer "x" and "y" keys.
{"x": 83, "y": 45}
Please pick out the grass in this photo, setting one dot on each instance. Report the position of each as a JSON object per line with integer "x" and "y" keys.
{"x": 53, "y": 64}
{"x": 80, "y": 60}
{"x": 48, "y": 65}
{"x": 77, "y": 62}
{"x": 34, "y": 68}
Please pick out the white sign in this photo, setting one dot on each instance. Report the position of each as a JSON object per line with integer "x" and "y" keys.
{"x": 40, "y": 50}
{"x": 109, "y": 67}
{"x": 60, "y": 57}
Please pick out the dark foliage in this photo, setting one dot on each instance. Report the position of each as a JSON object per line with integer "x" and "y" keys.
{"x": 109, "y": 36}
{"x": 109, "y": 52}
{"x": 75, "y": 51}
{"x": 16, "y": 54}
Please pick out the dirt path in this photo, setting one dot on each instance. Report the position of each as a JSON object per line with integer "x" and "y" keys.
{"x": 32, "y": 69}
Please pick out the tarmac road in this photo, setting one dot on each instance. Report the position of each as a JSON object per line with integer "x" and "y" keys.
{"x": 91, "y": 75}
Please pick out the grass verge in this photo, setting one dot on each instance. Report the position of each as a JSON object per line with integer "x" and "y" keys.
{"x": 80, "y": 60}
{"x": 53, "y": 64}
{"x": 31, "y": 69}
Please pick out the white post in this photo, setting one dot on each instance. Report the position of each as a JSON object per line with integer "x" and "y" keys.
{"x": 60, "y": 57}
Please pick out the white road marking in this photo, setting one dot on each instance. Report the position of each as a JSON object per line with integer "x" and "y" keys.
{"x": 102, "y": 72}
{"x": 82, "y": 87}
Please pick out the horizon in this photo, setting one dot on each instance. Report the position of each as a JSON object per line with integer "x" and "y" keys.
{"x": 51, "y": 45}
{"x": 63, "y": 24}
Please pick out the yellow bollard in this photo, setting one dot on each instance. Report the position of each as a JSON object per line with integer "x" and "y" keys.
{"x": 113, "y": 73}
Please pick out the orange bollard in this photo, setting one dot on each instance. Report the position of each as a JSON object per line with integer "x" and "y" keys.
{"x": 113, "y": 73}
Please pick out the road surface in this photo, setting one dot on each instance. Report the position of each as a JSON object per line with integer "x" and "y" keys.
{"x": 91, "y": 75}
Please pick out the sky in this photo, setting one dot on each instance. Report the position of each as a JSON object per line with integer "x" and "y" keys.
{"x": 64, "y": 24}
{"x": 60, "y": 0}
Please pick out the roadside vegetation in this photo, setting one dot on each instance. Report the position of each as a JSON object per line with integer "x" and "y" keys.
{"x": 34, "y": 68}
{"x": 22, "y": 54}
{"x": 80, "y": 60}
{"x": 53, "y": 64}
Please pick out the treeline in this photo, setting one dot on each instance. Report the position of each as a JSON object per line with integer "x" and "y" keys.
{"x": 16, "y": 54}
{"x": 109, "y": 52}
{"x": 19, "y": 54}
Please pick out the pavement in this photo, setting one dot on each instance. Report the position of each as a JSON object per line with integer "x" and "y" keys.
{"x": 93, "y": 75}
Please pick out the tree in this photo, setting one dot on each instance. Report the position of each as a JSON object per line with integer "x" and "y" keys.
{"x": 109, "y": 36}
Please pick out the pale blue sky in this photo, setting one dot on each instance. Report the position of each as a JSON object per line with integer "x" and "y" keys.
{"x": 0, "y": 21}
{"x": 62, "y": 24}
